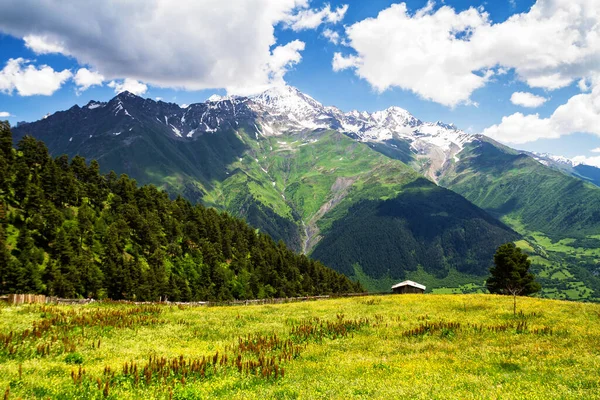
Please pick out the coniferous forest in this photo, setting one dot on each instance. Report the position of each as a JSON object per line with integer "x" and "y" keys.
{"x": 69, "y": 231}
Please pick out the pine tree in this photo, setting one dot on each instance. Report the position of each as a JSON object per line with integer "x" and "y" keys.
{"x": 102, "y": 236}
{"x": 85, "y": 217}
{"x": 510, "y": 275}
{"x": 5, "y": 175}
{"x": 29, "y": 279}
{"x": 5, "y": 259}
{"x": 6, "y": 141}
{"x": 112, "y": 263}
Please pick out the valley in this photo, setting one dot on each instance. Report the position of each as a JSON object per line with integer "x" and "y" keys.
{"x": 333, "y": 184}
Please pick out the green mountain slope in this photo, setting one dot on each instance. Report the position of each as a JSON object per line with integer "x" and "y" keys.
{"x": 515, "y": 187}
{"x": 67, "y": 230}
{"x": 296, "y": 186}
{"x": 422, "y": 226}
{"x": 358, "y": 207}
{"x": 558, "y": 214}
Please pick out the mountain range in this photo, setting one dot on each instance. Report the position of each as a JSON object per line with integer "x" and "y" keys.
{"x": 378, "y": 196}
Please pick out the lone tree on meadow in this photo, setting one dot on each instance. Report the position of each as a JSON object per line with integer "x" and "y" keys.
{"x": 510, "y": 274}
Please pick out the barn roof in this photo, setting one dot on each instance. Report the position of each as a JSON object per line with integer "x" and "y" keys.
{"x": 409, "y": 283}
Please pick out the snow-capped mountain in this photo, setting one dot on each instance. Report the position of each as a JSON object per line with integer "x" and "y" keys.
{"x": 547, "y": 159}
{"x": 277, "y": 111}
{"x": 284, "y": 110}
{"x": 567, "y": 165}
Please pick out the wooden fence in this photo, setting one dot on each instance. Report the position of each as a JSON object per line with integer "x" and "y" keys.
{"x": 26, "y": 299}
{"x": 17, "y": 299}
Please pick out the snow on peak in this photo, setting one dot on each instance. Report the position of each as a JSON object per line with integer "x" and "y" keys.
{"x": 286, "y": 109}
{"x": 443, "y": 136}
{"x": 545, "y": 157}
{"x": 395, "y": 116}
{"x": 215, "y": 97}
{"x": 286, "y": 99}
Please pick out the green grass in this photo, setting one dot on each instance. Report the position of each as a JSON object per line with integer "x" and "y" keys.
{"x": 413, "y": 346}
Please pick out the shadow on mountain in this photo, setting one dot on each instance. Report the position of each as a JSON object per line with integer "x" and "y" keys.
{"x": 425, "y": 225}
{"x": 395, "y": 148}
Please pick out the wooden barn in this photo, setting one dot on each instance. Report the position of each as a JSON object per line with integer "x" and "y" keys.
{"x": 408, "y": 287}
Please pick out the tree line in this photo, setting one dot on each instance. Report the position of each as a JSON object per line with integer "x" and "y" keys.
{"x": 67, "y": 230}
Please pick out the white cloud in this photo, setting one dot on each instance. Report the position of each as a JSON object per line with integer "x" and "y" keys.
{"x": 596, "y": 150}
{"x": 550, "y": 82}
{"x": 27, "y": 80}
{"x": 593, "y": 161}
{"x": 158, "y": 98}
{"x": 311, "y": 19}
{"x": 583, "y": 86}
{"x": 184, "y": 105}
{"x": 443, "y": 55}
{"x": 423, "y": 52}
{"x": 581, "y": 113}
{"x": 340, "y": 62}
{"x": 284, "y": 57}
{"x": 43, "y": 44}
{"x": 84, "y": 79}
{"x": 332, "y": 36}
{"x": 205, "y": 46}
{"x": 128, "y": 85}
{"x": 5, "y": 114}
{"x": 527, "y": 99}
{"x": 519, "y": 128}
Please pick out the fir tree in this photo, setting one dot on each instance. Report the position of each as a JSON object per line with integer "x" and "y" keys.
{"x": 510, "y": 274}
{"x": 102, "y": 236}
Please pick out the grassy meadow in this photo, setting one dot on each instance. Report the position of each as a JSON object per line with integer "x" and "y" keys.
{"x": 410, "y": 346}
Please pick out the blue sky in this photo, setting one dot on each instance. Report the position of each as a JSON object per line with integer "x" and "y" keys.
{"x": 453, "y": 61}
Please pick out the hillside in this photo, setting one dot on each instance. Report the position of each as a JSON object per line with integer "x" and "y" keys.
{"x": 558, "y": 214}
{"x": 408, "y": 346}
{"x": 69, "y": 231}
{"x": 294, "y": 168}
{"x": 423, "y": 227}
{"x": 582, "y": 171}
{"x": 274, "y": 160}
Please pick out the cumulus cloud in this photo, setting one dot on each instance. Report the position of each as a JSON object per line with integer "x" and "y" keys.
{"x": 593, "y": 161}
{"x": 283, "y": 58}
{"x": 311, "y": 19}
{"x": 5, "y": 114}
{"x": 596, "y": 150}
{"x": 84, "y": 79}
{"x": 332, "y": 36}
{"x": 196, "y": 45}
{"x": 428, "y": 52}
{"x": 444, "y": 56}
{"x": 27, "y": 80}
{"x": 526, "y": 99}
{"x": 581, "y": 113}
{"x": 340, "y": 62}
{"x": 129, "y": 85}
{"x": 43, "y": 44}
